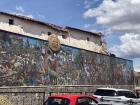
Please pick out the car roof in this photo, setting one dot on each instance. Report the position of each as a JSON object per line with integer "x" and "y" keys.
{"x": 68, "y": 96}
{"x": 115, "y": 89}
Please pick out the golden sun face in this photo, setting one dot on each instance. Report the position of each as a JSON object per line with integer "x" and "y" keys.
{"x": 54, "y": 42}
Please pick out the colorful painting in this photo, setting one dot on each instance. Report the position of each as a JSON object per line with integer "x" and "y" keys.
{"x": 26, "y": 61}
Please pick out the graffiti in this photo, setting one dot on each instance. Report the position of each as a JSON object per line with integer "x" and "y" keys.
{"x": 30, "y": 62}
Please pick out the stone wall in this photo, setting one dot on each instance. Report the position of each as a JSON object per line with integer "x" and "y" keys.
{"x": 37, "y": 95}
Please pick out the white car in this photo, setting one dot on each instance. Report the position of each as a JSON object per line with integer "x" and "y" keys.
{"x": 116, "y": 96}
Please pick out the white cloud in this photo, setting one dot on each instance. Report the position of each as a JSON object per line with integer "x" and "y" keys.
{"x": 137, "y": 68}
{"x": 120, "y": 16}
{"x": 121, "y": 13}
{"x": 90, "y": 3}
{"x": 91, "y": 27}
{"x": 28, "y": 15}
{"x": 129, "y": 47}
{"x": 40, "y": 16}
{"x": 20, "y": 9}
{"x": 135, "y": 1}
{"x": 87, "y": 26}
{"x": 23, "y": 14}
{"x": 89, "y": 13}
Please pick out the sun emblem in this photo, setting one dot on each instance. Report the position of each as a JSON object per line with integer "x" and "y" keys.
{"x": 54, "y": 42}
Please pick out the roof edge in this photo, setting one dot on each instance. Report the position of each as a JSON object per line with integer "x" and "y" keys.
{"x": 53, "y": 26}
{"x": 92, "y": 33}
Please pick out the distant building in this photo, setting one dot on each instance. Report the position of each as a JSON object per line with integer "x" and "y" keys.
{"x": 68, "y": 35}
{"x": 137, "y": 78}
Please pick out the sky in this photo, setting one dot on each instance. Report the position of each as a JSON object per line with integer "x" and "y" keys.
{"x": 118, "y": 20}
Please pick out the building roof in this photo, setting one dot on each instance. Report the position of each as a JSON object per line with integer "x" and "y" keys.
{"x": 53, "y": 26}
{"x": 92, "y": 33}
{"x": 34, "y": 20}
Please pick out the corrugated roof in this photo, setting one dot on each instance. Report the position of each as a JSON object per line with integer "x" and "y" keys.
{"x": 36, "y": 21}
{"x": 92, "y": 33}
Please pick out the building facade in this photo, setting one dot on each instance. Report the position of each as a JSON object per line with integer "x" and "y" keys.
{"x": 37, "y": 59}
{"x": 37, "y": 29}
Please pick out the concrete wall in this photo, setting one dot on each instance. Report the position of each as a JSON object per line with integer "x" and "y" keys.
{"x": 37, "y": 95}
{"x": 79, "y": 39}
{"x": 73, "y": 38}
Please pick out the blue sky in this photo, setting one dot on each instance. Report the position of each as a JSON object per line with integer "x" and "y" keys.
{"x": 62, "y": 12}
{"x": 117, "y": 19}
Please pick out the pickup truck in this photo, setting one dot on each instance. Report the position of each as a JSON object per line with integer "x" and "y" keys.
{"x": 115, "y": 96}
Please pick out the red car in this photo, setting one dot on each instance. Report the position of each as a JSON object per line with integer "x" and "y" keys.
{"x": 71, "y": 99}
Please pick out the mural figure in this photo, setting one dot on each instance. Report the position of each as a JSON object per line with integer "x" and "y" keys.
{"x": 33, "y": 62}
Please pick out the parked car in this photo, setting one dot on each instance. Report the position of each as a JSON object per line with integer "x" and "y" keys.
{"x": 115, "y": 96}
{"x": 71, "y": 99}
{"x": 137, "y": 90}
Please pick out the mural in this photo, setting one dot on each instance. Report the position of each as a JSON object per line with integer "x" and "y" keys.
{"x": 32, "y": 62}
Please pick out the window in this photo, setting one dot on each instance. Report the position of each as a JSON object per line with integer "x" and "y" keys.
{"x": 105, "y": 92}
{"x": 132, "y": 95}
{"x": 85, "y": 101}
{"x": 11, "y": 21}
{"x": 49, "y": 33}
{"x": 127, "y": 94}
{"x": 57, "y": 101}
{"x": 64, "y": 36}
{"x": 88, "y": 39}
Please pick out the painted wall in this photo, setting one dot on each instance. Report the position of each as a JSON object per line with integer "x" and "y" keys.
{"x": 28, "y": 61}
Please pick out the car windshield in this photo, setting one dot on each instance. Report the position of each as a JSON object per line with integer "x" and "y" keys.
{"x": 57, "y": 101}
{"x": 86, "y": 101}
{"x": 127, "y": 94}
{"x": 101, "y": 92}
